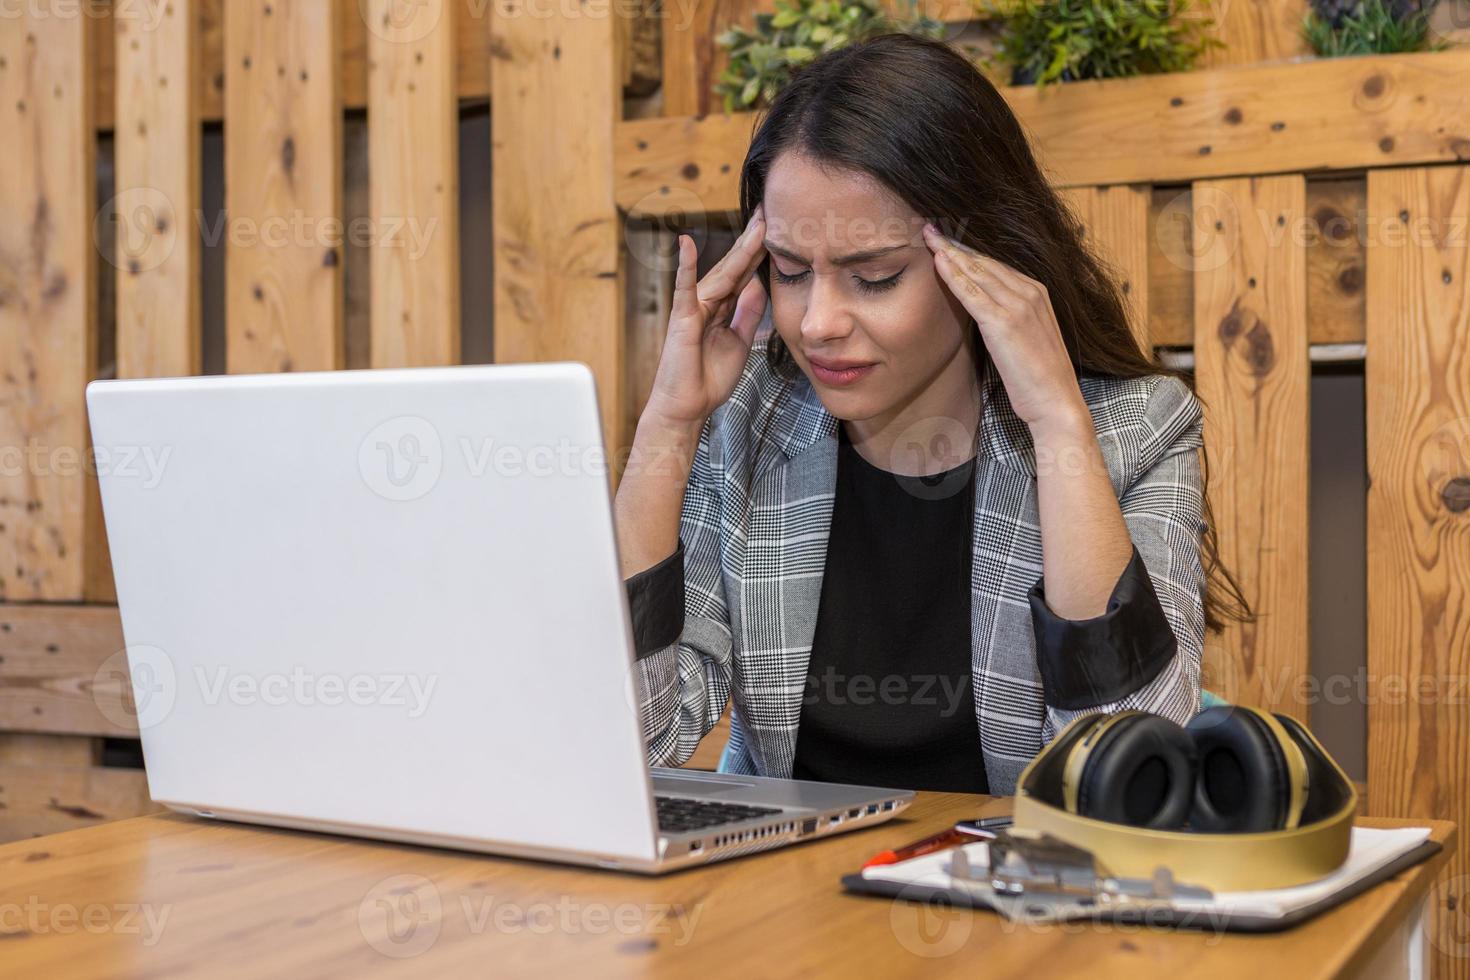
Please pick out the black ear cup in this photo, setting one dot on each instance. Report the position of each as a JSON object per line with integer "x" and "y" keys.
{"x": 1243, "y": 784}
{"x": 1141, "y": 772}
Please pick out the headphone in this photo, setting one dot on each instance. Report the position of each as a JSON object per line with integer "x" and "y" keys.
{"x": 1230, "y": 770}
{"x": 1239, "y": 798}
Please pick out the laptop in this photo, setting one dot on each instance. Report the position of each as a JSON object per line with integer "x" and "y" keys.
{"x": 388, "y": 604}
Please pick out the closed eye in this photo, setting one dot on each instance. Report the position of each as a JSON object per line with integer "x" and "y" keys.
{"x": 865, "y": 285}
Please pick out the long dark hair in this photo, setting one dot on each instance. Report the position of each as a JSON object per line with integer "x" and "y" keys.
{"x": 920, "y": 119}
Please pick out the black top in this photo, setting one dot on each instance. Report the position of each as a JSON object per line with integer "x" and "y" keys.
{"x": 889, "y": 698}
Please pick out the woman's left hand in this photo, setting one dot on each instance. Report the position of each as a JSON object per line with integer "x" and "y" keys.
{"x": 1019, "y": 328}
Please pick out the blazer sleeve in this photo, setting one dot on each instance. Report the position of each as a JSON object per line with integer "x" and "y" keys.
{"x": 681, "y": 627}
{"x": 1145, "y": 652}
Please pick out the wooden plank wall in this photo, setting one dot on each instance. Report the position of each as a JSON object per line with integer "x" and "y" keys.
{"x": 283, "y": 174}
{"x": 1255, "y": 31}
{"x": 157, "y": 150}
{"x": 652, "y": 255}
{"x": 472, "y": 69}
{"x": 1115, "y": 221}
{"x": 1170, "y": 129}
{"x": 559, "y": 261}
{"x": 414, "y": 185}
{"x": 1418, "y": 427}
{"x": 50, "y": 785}
{"x": 47, "y": 288}
{"x": 64, "y": 678}
{"x": 1252, "y": 373}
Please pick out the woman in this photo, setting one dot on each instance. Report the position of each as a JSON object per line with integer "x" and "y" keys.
{"x": 946, "y": 504}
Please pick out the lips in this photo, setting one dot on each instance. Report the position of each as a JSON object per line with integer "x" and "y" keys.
{"x": 839, "y": 372}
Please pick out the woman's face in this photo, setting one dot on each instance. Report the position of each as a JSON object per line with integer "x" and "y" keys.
{"x": 852, "y": 283}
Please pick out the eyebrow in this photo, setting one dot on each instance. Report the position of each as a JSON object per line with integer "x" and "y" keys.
{"x": 843, "y": 260}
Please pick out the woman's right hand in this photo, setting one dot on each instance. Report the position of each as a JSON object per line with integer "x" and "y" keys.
{"x": 712, "y": 324}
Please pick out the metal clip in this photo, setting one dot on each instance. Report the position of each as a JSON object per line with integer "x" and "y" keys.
{"x": 1040, "y": 876}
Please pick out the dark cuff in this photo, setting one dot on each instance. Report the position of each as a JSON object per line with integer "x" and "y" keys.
{"x": 1087, "y": 662}
{"x": 656, "y": 604}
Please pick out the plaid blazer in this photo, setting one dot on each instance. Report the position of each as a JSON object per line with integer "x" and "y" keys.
{"x": 753, "y": 541}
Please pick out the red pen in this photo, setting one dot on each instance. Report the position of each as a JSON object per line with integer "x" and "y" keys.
{"x": 953, "y": 837}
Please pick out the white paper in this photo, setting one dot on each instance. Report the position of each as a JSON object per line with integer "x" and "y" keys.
{"x": 1369, "y": 850}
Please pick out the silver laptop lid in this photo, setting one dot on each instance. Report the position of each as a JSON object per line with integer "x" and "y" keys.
{"x": 387, "y": 599}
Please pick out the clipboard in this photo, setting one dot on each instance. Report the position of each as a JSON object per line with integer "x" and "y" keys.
{"x": 1375, "y": 855}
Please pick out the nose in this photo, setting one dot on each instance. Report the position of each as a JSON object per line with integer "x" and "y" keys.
{"x": 826, "y": 318}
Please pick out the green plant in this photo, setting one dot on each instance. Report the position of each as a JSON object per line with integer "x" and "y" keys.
{"x": 762, "y": 60}
{"x": 1066, "y": 40}
{"x": 1335, "y": 28}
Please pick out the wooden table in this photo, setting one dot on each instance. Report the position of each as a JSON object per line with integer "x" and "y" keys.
{"x": 178, "y": 896}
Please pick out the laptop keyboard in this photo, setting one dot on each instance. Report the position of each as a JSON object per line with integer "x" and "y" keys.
{"x": 677, "y": 815}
